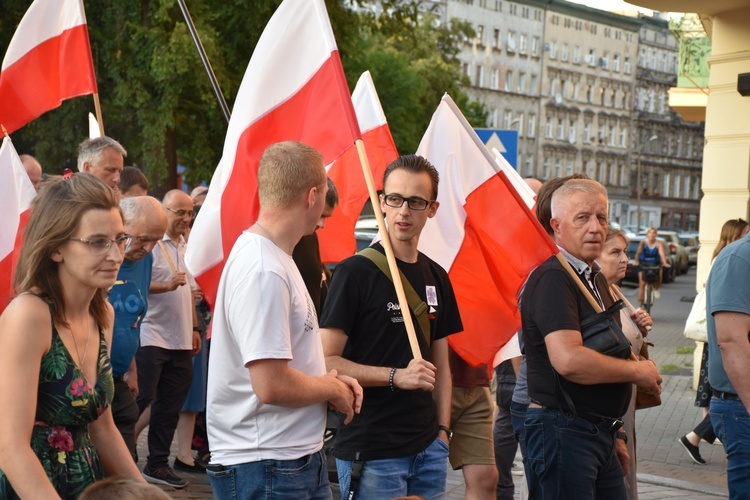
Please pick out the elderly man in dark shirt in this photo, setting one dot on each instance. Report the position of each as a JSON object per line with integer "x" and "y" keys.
{"x": 577, "y": 394}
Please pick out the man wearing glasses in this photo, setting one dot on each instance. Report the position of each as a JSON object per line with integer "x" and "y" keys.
{"x": 402, "y": 434}
{"x": 145, "y": 222}
{"x": 170, "y": 337}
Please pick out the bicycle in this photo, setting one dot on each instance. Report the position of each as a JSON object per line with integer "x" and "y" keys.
{"x": 650, "y": 274}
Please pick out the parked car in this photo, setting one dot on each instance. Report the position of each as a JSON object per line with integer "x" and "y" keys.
{"x": 364, "y": 231}
{"x": 692, "y": 245}
{"x": 631, "y": 274}
{"x": 674, "y": 246}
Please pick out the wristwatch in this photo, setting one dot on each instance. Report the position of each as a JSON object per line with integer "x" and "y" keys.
{"x": 448, "y": 432}
{"x": 622, "y": 435}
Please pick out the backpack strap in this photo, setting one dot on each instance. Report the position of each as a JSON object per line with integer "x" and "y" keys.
{"x": 416, "y": 304}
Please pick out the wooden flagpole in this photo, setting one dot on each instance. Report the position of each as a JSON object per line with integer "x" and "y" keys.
{"x": 386, "y": 241}
{"x": 98, "y": 109}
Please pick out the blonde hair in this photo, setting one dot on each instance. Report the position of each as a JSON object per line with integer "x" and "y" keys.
{"x": 287, "y": 170}
{"x": 55, "y": 215}
{"x": 122, "y": 489}
{"x": 730, "y": 232}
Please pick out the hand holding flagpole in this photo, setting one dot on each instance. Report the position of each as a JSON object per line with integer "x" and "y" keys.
{"x": 386, "y": 241}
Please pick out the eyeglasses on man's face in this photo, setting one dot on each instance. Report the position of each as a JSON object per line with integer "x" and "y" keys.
{"x": 182, "y": 214}
{"x": 397, "y": 201}
{"x": 101, "y": 245}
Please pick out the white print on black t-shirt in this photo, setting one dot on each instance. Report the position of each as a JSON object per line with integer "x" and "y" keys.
{"x": 395, "y": 312}
{"x": 431, "y": 295}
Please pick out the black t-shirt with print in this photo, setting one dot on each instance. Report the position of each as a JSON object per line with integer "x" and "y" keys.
{"x": 362, "y": 302}
{"x": 552, "y": 302}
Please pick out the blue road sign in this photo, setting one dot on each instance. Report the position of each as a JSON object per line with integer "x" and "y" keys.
{"x": 505, "y": 141}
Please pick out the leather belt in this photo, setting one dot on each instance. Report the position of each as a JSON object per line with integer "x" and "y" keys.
{"x": 725, "y": 395}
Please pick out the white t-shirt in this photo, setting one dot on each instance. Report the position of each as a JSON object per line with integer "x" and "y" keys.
{"x": 263, "y": 311}
{"x": 169, "y": 320}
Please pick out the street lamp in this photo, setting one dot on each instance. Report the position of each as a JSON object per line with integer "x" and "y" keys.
{"x": 639, "y": 186}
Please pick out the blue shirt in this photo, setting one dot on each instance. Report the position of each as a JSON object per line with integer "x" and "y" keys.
{"x": 728, "y": 290}
{"x": 128, "y": 298}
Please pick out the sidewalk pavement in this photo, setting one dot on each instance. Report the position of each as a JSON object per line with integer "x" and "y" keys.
{"x": 664, "y": 468}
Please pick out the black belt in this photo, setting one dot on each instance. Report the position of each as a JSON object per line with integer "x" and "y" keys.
{"x": 725, "y": 395}
{"x": 611, "y": 424}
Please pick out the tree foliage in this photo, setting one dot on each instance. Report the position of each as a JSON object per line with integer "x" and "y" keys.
{"x": 158, "y": 102}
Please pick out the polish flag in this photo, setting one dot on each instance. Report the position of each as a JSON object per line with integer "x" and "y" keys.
{"x": 294, "y": 89}
{"x": 337, "y": 237}
{"x": 483, "y": 234}
{"x": 48, "y": 61}
{"x": 16, "y": 193}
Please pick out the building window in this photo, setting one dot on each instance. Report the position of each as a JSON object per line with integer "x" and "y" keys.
{"x": 553, "y": 50}
{"x": 677, "y": 185}
{"x": 495, "y": 118}
{"x": 564, "y": 52}
{"x": 479, "y": 75}
{"x": 616, "y": 62}
{"x": 604, "y": 61}
{"x": 591, "y": 169}
{"x": 558, "y": 167}
{"x": 601, "y": 173}
{"x": 532, "y": 126}
{"x": 495, "y": 81}
{"x": 572, "y": 132}
{"x": 612, "y": 175}
{"x": 535, "y": 46}
{"x": 576, "y": 54}
{"x": 607, "y": 32}
{"x": 623, "y": 137}
{"x": 611, "y": 135}
{"x": 513, "y": 9}
{"x": 578, "y": 24}
{"x": 480, "y": 34}
{"x": 568, "y": 22}
{"x": 591, "y": 58}
{"x": 587, "y": 133}
{"x": 686, "y": 187}
{"x": 525, "y": 12}
{"x": 507, "y": 120}
{"x": 665, "y": 186}
{"x": 593, "y": 29}
{"x": 529, "y": 167}
{"x": 523, "y": 43}
{"x": 546, "y": 168}
{"x": 498, "y": 6}
{"x": 537, "y": 15}
{"x": 522, "y": 82}
{"x": 510, "y": 45}
{"x": 560, "y": 130}
{"x": 519, "y": 125}
{"x": 548, "y": 128}
{"x": 509, "y": 81}
{"x": 496, "y": 38}
{"x": 622, "y": 173}
{"x": 532, "y": 87}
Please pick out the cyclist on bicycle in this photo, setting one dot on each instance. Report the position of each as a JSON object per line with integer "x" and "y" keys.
{"x": 650, "y": 252}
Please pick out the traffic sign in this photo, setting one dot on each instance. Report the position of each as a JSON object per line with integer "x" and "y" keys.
{"x": 505, "y": 141}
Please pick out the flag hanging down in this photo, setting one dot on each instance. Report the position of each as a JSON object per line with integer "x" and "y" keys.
{"x": 293, "y": 89}
{"x": 48, "y": 61}
{"x": 16, "y": 193}
{"x": 337, "y": 238}
{"x": 484, "y": 234}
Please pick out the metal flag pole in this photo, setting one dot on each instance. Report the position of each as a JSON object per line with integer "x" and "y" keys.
{"x": 204, "y": 58}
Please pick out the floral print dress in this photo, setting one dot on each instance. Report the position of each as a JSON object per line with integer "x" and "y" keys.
{"x": 66, "y": 404}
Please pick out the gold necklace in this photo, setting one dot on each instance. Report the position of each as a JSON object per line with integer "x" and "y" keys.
{"x": 81, "y": 359}
{"x": 266, "y": 231}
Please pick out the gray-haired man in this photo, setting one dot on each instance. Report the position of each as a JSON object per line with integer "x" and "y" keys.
{"x": 104, "y": 158}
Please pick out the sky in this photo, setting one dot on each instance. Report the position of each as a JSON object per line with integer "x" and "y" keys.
{"x": 614, "y": 6}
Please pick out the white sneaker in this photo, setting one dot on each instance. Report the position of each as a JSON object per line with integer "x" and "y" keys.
{"x": 657, "y": 294}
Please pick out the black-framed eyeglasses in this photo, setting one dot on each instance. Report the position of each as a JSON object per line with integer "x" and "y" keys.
{"x": 145, "y": 240}
{"x": 182, "y": 213}
{"x": 397, "y": 201}
{"x": 100, "y": 246}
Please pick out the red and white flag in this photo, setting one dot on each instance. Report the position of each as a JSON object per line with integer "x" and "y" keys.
{"x": 484, "y": 235}
{"x": 337, "y": 237}
{"x": 294, "y": 89}
{"x": 16, "y": 193}
{"x": 48, "y": 61}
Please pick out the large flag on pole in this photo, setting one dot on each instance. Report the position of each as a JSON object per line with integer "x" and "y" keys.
{"x": 48, "y": 60}
{"x": 16, "y": 193}
{"x": 294, "y": 89}
{"x": 337, "y": 237}
{"x": 484, "y": 234}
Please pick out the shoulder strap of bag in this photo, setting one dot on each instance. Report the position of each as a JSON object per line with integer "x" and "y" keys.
{"x": 416, "y": 304}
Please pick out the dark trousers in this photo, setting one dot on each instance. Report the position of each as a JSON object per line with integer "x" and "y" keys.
{"x": 705, "y": 430}
{"x": 505, "y": 441}
{"x": 164, "y": 378}
{"x": 125, "y": 414}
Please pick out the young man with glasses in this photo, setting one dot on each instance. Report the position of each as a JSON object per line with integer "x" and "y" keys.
{"x": 170, "y": 338}
{"x": 145, "y": 223}
{"x": 402, "y": 433}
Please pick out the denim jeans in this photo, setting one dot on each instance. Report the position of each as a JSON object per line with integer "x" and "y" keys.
{"x": 518, "y": 418}
{"x": 570, "y": 458}
{"x": 421, "y": 474}
{"x": 300, "y": 479}
{"x": 505, "y": 441}
{"x": 732, "y": 425}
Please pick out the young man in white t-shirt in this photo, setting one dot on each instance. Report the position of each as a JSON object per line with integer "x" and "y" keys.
{"x": 267, "y": 384}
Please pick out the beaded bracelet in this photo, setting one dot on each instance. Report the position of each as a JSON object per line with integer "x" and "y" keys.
{"x": 390, "y": 380}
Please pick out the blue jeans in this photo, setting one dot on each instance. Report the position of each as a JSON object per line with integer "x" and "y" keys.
{"x": 732, "y": 425}
{"x": 422, "y": 474}
{"x": 304, "y": 478}
{"x": 570, "y": 458}
{"x": 517, "y": 419}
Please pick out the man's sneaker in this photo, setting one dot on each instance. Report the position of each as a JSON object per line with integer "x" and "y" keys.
{"x": 163, "y": 475}
{"x": 692, "y": 450}
{"x": 517, "y": 470}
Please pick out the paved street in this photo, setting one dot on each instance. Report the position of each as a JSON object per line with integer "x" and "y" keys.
{"x": 664, "y": 468}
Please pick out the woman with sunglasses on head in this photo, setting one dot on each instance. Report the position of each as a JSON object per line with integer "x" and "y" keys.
{"x": 57, "y": 435}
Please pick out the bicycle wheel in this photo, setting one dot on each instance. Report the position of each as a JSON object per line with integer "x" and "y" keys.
{"x": 649, "y": 298}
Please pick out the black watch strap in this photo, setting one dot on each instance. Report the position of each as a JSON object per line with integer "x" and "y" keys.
{"x": 622, "y": 435}
{"x": 447, "y": 430}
